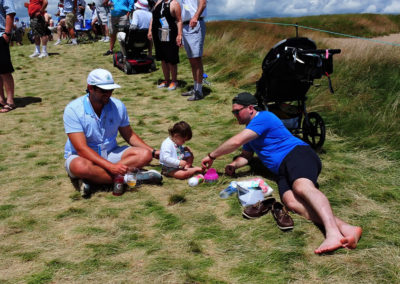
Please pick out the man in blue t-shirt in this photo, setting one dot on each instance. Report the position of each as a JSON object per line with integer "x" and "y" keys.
{"x": 294, "y": 163}
{"x": 92, "y": 123}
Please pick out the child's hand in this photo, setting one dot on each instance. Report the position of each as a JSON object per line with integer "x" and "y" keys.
{"x": 182, "y": 164}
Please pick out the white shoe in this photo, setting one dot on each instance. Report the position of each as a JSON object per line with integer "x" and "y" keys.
{"x": 107, "y": 39}
{"x": 57, "y": 42}
{"x": 35, "y": 54}
{"x": 43, "y": 54}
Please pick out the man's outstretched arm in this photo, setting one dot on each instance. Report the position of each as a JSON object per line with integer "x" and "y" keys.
{"x": 229, "y": 146}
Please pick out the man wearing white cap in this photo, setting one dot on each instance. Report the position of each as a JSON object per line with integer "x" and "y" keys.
{"x": 92, "y": 123}
{"x": 141, "y": 19}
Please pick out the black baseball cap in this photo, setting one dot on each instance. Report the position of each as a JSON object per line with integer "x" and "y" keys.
{"x": 245, "y": 99}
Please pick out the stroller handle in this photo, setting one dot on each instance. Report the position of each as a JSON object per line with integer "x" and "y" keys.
{"x": 320, "y": 51}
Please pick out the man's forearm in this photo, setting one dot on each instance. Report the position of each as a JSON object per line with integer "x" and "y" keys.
{"x": 200, "y": 8}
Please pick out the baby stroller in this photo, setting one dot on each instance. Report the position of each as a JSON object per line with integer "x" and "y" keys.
{"x": 135, "y": 59}
{"x": 289, "y": 70}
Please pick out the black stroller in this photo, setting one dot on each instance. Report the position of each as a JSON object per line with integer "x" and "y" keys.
{"x": 135, "y": 59}
{"x": 289, "y": 70}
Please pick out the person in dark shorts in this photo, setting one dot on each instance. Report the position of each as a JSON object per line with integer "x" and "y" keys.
{"x": 7, "y": 13}
{"x": 36, "y": 11}
{"x": 294, "y": 163}
{"x": 166, "y": 32}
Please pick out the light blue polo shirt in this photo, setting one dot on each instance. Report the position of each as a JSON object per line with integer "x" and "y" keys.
{"x": 6, "y": 8}
{"x": 101, "y": 133}
{"x": 274, "y": 141}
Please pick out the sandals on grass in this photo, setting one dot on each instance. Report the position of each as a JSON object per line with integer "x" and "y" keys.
{"x": 7, "y": 108}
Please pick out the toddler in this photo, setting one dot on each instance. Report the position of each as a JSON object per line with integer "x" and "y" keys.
{"x": 176, "y": 159}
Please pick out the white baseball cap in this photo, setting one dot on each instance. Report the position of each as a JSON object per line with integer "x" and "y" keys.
{"x": 142, "y": 4}
{"x": 103, "y": 79}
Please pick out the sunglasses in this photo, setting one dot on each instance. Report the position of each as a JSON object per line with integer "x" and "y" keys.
{"x": 103, "y": 91}
{"x": 237, "y": 111}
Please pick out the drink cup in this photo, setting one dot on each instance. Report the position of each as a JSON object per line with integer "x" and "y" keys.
{"x": 131, "y": 180}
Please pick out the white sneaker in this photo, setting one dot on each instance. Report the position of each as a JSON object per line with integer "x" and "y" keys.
{"x": 43, "y": 54}
{"x": 57, "y": 42}
{"x": 35, "y": 54}
{"x": 107, "y": 39}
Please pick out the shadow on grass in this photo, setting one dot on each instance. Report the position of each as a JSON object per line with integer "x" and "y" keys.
{"x": 23, "y": 102}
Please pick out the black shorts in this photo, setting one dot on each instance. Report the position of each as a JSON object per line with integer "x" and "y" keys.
{"x": 5, "y": 58}
{"x": 301, "y": 162}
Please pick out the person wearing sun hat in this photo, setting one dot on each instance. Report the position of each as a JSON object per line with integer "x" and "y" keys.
{"x": 296, "y": 167}
{"x": 92, "y": 123}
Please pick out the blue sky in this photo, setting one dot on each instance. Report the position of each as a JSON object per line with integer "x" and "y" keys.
{"x": 233, "y": 9}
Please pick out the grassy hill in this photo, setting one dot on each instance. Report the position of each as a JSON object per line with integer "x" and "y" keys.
{"x": 366, "y": 74}
{"x": 49, "y": 234}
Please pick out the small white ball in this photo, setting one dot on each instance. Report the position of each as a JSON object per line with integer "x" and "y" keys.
{"x": 193, "y": 181}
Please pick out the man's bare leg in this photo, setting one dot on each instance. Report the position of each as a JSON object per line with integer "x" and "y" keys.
{"x": 349, "y": 235}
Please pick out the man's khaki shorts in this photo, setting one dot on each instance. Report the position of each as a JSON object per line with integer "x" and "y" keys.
{"x": 70, "y": 20}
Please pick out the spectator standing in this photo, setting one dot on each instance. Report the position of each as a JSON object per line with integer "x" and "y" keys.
{"x": 18, "y": 32}
{"x": 120, "y": 10}
{"x": 194, "y": 32}
{"x": 7, "y": 13}
{"x": 166, "y": 32}
{"x": 70, "y": 9}
{"x": 103, "y": 13}
{"x": 36, "y": 11}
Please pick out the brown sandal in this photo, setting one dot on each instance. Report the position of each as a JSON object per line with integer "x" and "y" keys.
{"x": 7, "y": 108}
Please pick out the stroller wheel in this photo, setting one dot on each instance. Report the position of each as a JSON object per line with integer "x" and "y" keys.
{"x": 314, "y": 130}
{"x": 114, "y": 60}
{"x": 127, "y": 68}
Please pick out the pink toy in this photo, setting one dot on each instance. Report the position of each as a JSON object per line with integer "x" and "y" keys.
{"x": 211, "y": 175}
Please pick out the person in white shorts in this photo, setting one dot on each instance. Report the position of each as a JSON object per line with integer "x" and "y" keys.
{"x": 193, "y": 34}
{"x": 92, "y": 123}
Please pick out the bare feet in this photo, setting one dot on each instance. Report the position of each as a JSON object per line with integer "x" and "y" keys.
{"x": 352, "y": 235}
{"x": 330, "y": 244}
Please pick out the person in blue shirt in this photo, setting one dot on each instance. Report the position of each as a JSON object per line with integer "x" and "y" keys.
{"x": 7, "y": 13}
{"x": 120, "y": 11}
{"x": 294, "y": 163}
{"x": 92, "y": 123}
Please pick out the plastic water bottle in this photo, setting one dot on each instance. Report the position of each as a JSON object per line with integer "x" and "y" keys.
{"x": 118, "y": 185}
{"x": 231, "y": 189}
{"x": 193, "y": 181}
{"x": 205, "y": 81}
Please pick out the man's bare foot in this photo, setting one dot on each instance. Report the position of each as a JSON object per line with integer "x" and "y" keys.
{"x": 330, "y": 244}
{"x": 352, "y": 235}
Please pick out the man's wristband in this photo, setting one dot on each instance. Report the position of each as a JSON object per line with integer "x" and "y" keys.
{"x": 209, "y": 155}
{"x": 8, "y": 34}
{"x": 153, "y": 154}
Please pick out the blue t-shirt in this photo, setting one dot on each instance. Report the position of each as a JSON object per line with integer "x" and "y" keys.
{"x": 101, "y": 133}
{"x": 274, "y": 141}
{"x": 121, "y": 7}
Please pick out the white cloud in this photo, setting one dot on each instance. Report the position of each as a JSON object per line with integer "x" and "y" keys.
{"x": 285, "y": 8}
{"x": 394, "y": 7}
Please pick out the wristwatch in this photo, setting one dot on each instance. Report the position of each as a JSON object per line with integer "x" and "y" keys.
{"x": 8, "y": 34}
